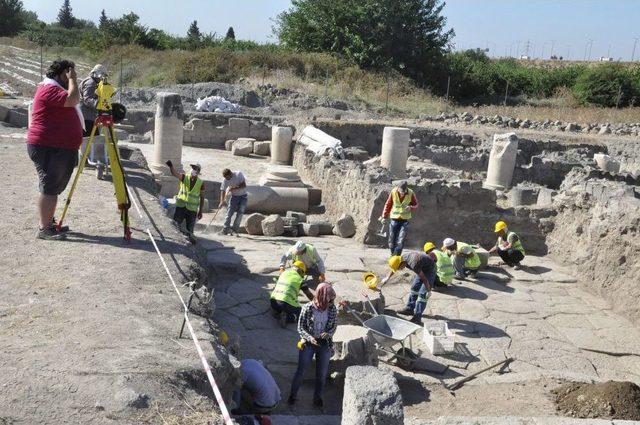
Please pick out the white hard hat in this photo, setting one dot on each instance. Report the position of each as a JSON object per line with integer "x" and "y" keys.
{"x": 299, "y": 247}
{"x": 448, "y": 242}
{"x": 99, "y": 70}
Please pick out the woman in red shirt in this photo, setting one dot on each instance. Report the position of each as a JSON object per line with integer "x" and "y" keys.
{"x": 55, "y": 134}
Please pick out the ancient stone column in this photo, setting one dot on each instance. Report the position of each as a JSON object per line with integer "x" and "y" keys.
{"x": 167, "y": 140}
{"x": 395, "y": 151}
{"x": 277, "y": 200}
{"x": 502, "y": 161}
{"x": 281, "y": 138}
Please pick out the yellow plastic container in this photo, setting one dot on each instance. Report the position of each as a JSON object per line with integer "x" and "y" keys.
{"x": 300, "y": 344}
{"x": 370, "y": 280}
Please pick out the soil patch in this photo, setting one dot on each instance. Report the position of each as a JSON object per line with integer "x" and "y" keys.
{"x": 606, "y": 400}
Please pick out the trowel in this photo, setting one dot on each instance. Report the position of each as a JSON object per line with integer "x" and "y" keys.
{"x": 383, "y": 228}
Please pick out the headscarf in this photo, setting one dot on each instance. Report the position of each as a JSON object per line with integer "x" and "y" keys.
{"x": 324, "y": 295}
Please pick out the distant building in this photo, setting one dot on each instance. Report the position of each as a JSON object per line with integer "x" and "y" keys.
{"x": 524, "y": 57}
{"x": 605, "y": 59}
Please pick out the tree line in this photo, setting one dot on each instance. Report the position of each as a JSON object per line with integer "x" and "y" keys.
{"x": 407, "y": 38}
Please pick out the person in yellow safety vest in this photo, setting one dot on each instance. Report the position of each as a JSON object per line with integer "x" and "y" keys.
{"x": 444, "y": 266}
{"x": 190, "y": 197}
{"x": 508, "y": 246}
{"x": 308, "y": 254}
{"x": 284, "y": 297}
{"x": 466, "y": 261}
{"x": 401, "y": 203}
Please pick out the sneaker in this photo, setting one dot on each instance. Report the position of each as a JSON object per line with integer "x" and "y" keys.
{"x": 517, "y": 266}
{"x": 458, "y": 276}
{"x": 224, "y": 232}
{"x": 417, "y": 320}
{"x": 317, "y": 401}
{"x": 473, "y": 275}
{"x": 282, "y": 320}
{"x": 50, "y": 234}
{"x": 54, "y": 223}
{"x": 405, "y": 311}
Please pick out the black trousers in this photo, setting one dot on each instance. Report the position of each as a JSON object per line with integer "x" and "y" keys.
{"x": 292, "y": 312}
{"x": 183, "y": 214}
{"x": 511, "y": 256}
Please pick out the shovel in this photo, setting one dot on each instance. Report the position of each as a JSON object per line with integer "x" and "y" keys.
{"x": 383, "y": 228}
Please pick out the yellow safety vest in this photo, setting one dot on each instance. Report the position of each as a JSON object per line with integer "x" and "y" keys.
{"x": 444, "y": 267}
{"x": 309, "y": 254}
{"x": 472, "y": 262}
{"x": 288, "y": 287}
{"x": 189, "y": 198}
{"x": 398, "y": 210}
{"x": 517, "y": 245}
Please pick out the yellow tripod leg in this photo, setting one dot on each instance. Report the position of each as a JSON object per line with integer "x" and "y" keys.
{"x": 119, "y": 182}
{"x": 83, "y": 161}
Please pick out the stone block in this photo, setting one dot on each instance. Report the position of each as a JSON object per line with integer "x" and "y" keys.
{"x": 291, "y": 231}
{"x": 302, "y": 217}
{"x": 353, "y": 347}
{"x": 273, "y": 225}
{"x": 545, "y": 197}
{"x": 345, "y": 227}
{"x": 262, "y": 148}
{"x": 308, "y": 229}
{"x": 371, "y": 396}
{"x": 253, "y": 224}
{"x": 242, "y": 147}
{"x": 259, "y": 130}
{"x": 324, "y": 227}
{"x": 520, "y": 196}
{"x": 239, "y": 126}
{"x": 229, "y": 144}
{"x": 290, "y": 221}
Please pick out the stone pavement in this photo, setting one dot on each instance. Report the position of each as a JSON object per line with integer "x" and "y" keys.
{"x": 539, "y": 315}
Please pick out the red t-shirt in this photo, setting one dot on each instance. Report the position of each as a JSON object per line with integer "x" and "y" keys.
{"x": 53, "y": 124}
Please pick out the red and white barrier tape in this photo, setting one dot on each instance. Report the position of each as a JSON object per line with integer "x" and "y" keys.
{"x": 203, "y": 359}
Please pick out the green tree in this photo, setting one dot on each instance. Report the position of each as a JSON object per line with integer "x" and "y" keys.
{"x": 231, "y": 34}
{"x": 408, "y": 35}
{"x": 103, "y": 21}
{"x": 12, "y": 18}
{"x": 607, "y": 85}
{"x": 65, "y": 17}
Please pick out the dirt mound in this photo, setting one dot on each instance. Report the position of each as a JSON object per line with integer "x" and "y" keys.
{"x": 606, "y": 400}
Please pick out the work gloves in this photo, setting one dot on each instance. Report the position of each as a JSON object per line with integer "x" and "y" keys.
{"x": 169, "y": 164}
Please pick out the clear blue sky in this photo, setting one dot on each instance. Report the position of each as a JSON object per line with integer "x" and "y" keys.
{"x": 501, "y": 25}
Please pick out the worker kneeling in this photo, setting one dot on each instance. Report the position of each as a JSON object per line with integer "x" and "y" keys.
{"x": 508, "y": 246}
{"x": 307, "y": 254}
{"x": 466, "y": 261}
{"x": 425, "y": 269}
{"x": 444, "y": 266}
{"x": 284, "y": 297}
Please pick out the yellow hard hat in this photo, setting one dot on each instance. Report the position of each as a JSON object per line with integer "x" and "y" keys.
{"x": 394, "y": 262}
{"x": 370, "y": 280}
{"x": 500, "y": 226}
{"x": 429, "y": 246}
{"x": 224, "y": 337}
{"x": 300, "y": 266}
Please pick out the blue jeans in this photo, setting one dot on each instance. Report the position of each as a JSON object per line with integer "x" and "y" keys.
{"x": 305, "y": 356}
{"x": 418, "y": 295}
{"x": 397, "y": 236}
{"x": 237, "y": 205}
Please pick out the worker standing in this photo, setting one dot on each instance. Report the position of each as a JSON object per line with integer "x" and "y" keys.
{"x": 236, "y": 184}
{"x": 444, "y": 266}
{"x": 284, "y": 297}
{"x": 508, "y": 246}
{"x": 399, "y": 207}
{"x": 190, "y": 197}
{"x": 425, "y": 269}
{"x": 308, "y": 254}
{"x": 88, "y": 97}
{"x": 466, "y": 261}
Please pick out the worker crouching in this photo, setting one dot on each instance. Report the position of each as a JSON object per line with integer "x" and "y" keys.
{"x": 466, "y": 261}
{"x": 307, "y": 254}
{"x": 508, "y": 246}
{"x": 284, "y": 297}
{"x": 400, "y": 205}
{"x": 444, "y": 265}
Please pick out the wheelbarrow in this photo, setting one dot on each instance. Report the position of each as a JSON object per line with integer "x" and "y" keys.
{"x": 388, "y": 332}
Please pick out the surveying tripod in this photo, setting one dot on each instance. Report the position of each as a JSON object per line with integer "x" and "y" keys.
{"x": 105, "y": 120}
